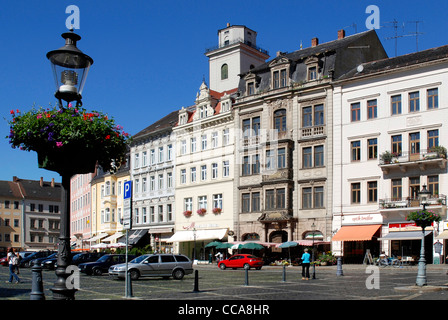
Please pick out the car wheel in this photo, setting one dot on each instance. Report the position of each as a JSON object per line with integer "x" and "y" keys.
{"x": 178, "y": 274}
{"x": 134, "y": 274}
{"x": 246, "y": 266}
{"x": 97, "y": 272}
{"x": 222, "y": 266}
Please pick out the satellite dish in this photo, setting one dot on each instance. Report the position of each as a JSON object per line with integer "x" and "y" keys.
{"x": 360, "y": 68}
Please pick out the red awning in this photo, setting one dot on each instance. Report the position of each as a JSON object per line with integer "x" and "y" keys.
{"x": 356, "y": 233}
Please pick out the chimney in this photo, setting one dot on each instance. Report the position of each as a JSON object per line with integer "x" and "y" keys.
{"x": 228, "y": 24}
{"x": 341, "y": 34}
{"x": 52, "y": 182}
{"x": 15, "y": 179}
{"x": 41, "y": 181}
{"x": 314, "y": 42}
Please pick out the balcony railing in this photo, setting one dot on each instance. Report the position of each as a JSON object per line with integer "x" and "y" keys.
{"x": 406, "y": 159}
{"x": 408, "y": 202}
{"x": 309, "y": 132}
{"x": 239, "y": 40}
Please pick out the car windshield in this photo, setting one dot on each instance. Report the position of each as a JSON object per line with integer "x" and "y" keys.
{"x": 251, "y": 257}
{"x": 139, "y": 259}
{"x": 103, "y": 258}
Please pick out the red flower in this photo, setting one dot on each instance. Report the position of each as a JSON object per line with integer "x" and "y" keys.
{"x": 108, "y": 137}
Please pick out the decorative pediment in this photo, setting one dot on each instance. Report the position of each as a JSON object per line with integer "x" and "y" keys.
{"x": 278, "y": 62}
{"x": 312, "y": 60}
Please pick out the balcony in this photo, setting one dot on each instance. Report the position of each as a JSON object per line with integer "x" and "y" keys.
{"x": 277, "y": 175}
{"x": 405, "y": 161}
{"x": 412, "y": 203}
{"x": 312, "y": 132}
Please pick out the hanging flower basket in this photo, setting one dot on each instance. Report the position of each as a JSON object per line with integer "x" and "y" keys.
{"x": 187, "y": 213}
{"x": 69, "y": 140}
{"x": 423, "y": 218}
{"x": 201, "y": 211}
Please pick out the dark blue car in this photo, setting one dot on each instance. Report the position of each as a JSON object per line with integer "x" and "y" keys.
{"x": 102, "y": 265}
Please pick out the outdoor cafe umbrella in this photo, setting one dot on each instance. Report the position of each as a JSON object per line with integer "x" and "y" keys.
{"x": 213, "y": 244}
{"x": 99, "y": 246}
{"x": 251, "y": 245}
{"x": 288, "y": 244}
{"x": 224, "y": 245}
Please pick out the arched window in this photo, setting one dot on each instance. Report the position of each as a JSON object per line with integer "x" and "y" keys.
{"x": 224, "y": 71}
{"x": 280, "y": 120}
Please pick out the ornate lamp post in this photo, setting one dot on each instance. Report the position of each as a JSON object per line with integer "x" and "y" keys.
{"x": 421, "y": 273}
{"x": 70, "y": 67}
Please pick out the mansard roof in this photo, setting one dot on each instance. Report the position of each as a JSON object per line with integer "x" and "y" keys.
{"x": 39, "y": 190}
{"x": 395, "y": 63}
{"x": 165, "y": 123}
{"x": 335, "y": 58}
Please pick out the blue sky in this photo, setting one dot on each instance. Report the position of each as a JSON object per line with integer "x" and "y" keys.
{"x": 149, "y": 55}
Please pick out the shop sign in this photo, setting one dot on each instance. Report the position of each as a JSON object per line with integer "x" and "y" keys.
{"x": 363, "y": 219}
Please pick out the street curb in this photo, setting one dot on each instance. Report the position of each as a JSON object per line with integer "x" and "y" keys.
{"x": 416, "y": 288}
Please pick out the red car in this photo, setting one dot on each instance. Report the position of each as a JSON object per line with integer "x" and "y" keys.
{"x": 245, "y": 261}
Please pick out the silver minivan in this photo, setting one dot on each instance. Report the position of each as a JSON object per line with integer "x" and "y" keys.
{"x": 154, "y": 265}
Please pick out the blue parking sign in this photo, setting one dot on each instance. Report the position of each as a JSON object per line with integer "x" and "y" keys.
{"x": 127, "y": 190}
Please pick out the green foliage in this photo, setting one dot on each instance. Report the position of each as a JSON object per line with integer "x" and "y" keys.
{"x": 61, "y": 132}
{"x": 423, "y": 218}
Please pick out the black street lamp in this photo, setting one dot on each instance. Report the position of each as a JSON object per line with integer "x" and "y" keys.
{"x": 421, "y": 273}
{"x": 70, "y": 67}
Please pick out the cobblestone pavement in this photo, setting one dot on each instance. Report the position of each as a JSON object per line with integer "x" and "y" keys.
{"x": 359, "y": 282}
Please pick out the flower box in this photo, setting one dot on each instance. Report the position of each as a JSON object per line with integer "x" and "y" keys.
{"x": 201, "y": 211}
{"x": 217, "y": 210}
{"x": 187, "y": 213}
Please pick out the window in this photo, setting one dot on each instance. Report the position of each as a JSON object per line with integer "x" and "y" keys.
{"x": 250, "y": 88}
{"x": 372, "y": 112}
{"x": 396, "y": 189}
{"x": 312, "y": 73}
{"x": 144, "y": 159}
{"x": 152, "y": 156}
{"x": 355, "y": 111}
{"x": 225, "y": 137}
{"x": 270, "y": 199}
{"x": 225, "y": 169}
{"x": 307, "y": 195}
{"x": 307, "y": 117}
{"x": 396, "y": 145}
{"x": 414, "y": 187}
{"x": 396, "y": 104}
{"x": 170, "y": 152}
{"x": 251, "y": 127}
{"x": 414, "y": 101}
{"x": 193, "y": 144}
{"x": 245, "y": 202}
{"x": 281, "y": 158}
{"x": 160, "y": 181}
{"x": 313, "y": 197}
{"x": 169, "y": 180}
{"x": 214, "y": 139}
{"x": 255, "y": 202}
{"x": 318, "y": 197}
{"x": 161, "y": 213}
{"x": 372, "y": 148}
{"x": 144, "y": 185}
{"x": 433, "y": 98}
{"x": 414, "y": 143}
{"x": 255, "y": 164}
{"x": 280, "y": 120}
{"x": 160, "y": 154}
{"x": 183, "y": 176}
{"x": 204, "y": 142}
{"x": 169, "y": 211}
{"x": 356, "y": 150}
{"x": 136, "y": 160}
{"x": 319, "y": 156}
{"x": 281, "y": 199}
{"x": 193, "y": 174}
{"x": 202, "y": 202}
{"x": 433, "y": 139}
{"x": 372, "y": 191}
{"x": 356, "y": 192}
{"x": 224, "y": 72}
{"x": 217, "y": 201}
{"x": 203, "y": 172}
{"x": 270, "y": 158}
{"x": 307, "y": 157}
{"x": 313, "y": 115}
{"x": 433, "y": 185}
{"x": 152, "y": 183}
{"x": 276, "y": 83}
{"x": 183, "y": 147}
{"x": 283, "y": 78}
{"x": 214, "y": 170}
{"x": 188, "y": 204}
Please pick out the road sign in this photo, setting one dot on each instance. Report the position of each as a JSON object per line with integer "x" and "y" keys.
{"x": 127, "y": 205}
{"x": 127, "y": 190}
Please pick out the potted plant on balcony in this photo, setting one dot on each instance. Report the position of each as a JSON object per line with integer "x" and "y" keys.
{"x": 423, "y": 218}
{"x": 386, "y": 157}
{"x": 69, "y": 140}
{"x": 440, "y": 150}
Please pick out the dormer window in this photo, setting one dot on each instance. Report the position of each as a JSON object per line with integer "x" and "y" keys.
{"x": 250, "y": 88}
{"x": 183, "y": 119}
{"x": 312, "y": 64}
{"x": 312, "y": 73}
{"x": 202, "y": 112}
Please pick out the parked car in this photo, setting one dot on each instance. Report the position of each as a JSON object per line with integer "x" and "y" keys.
{"x": 23, "y": 254}
{"x": 26, "y": 262}
{"x": 154, "y": 265}
{"x": 86, "y": 257}
{"x": 39, "y": 260}
{"x": 50, "y": 262}
{"x": 245, "y": 261}
{"x": 102, "y": 265}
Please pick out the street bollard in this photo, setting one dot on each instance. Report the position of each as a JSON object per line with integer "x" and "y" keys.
{"x": 246, "y": 280}
{"x": 37, "y": 288}
{"x": 284, "y": 273}
{"x": 339, "y": 269}
{"x": 128, "y": 285}
{"x": 196, "y": 281}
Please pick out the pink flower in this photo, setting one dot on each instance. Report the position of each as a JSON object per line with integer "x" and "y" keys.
{"x": 58, "y": 144}
{"x": 39, "y": 116}
{"x": 70, "y": 105}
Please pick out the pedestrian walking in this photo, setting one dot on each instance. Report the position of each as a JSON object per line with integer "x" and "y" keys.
{"x": 13, "y": 262}
{"x": 306, "y": 265}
